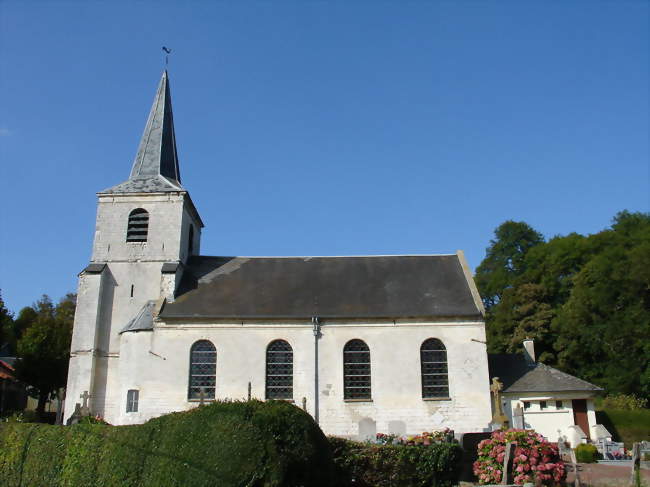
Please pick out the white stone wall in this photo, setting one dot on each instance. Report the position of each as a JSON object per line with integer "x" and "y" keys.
{"x": 156, "y": 363}
{"x": 106, "y": 302}
{"x": 169, "y": 219}
{"x": 552, "y": 423}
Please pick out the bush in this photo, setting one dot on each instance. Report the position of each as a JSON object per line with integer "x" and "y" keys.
{"x": 628, "y": 402}
{"x": 586, "y": 453}
{"x": 226, "y": 444}
{"x": 372, "y": 465}
{"x": 535, "y": 459}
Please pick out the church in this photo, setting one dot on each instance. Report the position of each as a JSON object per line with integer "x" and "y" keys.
{"x": 365, "y": 344}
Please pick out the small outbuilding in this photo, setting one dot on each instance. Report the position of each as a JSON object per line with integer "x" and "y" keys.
{"x": 535, "y": 396}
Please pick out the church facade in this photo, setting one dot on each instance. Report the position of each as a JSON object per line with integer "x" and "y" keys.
{"x": 365, "y": 344}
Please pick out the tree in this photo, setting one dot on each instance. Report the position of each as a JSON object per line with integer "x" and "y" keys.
{"x": 505, "y": 260}
{"x": 44, "y": 347}
{"x": 524, "y": 312}
{"x": 603, "y": 329}
{"x": 585, "y": 301}
{"x": 6, "y": 323}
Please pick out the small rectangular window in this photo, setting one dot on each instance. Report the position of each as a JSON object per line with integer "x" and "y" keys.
{"x": 542, "y": 405}
{"x": 132, "y": 401}
{"x": 559, "y": 405}
{"x": 526, "y": 404}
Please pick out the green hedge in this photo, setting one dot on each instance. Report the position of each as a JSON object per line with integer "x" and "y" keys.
{"x": 586, "y": 453}
{"x": 227, "y": 444}
{"x": 626, "y": 426}
{"x": 368, "y": 465}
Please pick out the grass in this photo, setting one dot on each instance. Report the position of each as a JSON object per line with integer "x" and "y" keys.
{"x": 626, "y": 426}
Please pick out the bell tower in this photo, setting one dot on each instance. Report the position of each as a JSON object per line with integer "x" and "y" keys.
{"x": 147, "y": 228}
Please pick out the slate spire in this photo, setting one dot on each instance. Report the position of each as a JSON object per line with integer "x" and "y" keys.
{"x": 157, "y": 151}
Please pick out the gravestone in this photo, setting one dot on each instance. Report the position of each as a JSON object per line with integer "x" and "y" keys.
{"x": 76, "y": 415}
{"x": 518, "y": 417}
{"x": 397, "y": 428}
{"x": 469, "y": 443}
{"x": 367, "y": 429}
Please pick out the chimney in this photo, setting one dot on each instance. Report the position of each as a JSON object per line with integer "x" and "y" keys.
{"x": 529, "y": 351}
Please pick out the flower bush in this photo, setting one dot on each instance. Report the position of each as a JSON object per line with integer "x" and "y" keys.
{"x": 426, "y": 438}
{"x": 535, "y": 459}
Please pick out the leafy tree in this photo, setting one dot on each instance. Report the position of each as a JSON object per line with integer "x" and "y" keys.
{"x": 585, "y": 300}
{"x": 603, "y": 329}
{"x": 6, "y": 323}
{"x": 505, "y": 260}
{"x": 524, "y": 312}
{"x": 44, "y": 347}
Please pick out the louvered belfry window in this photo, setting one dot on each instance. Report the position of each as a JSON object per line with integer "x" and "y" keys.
{"x": 203, "y": 369}
{"x": 356, "y": 370}
{"x": 138, "y": 226}
{"x": 433, "y": 360}
{"x": 279, "y": 370}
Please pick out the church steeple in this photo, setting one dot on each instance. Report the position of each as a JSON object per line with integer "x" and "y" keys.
{"x": 155, "y": 167}
{"x": 157, "y": 150}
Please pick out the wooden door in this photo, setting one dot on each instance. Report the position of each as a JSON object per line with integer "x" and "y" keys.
{"x": 580, "y": 415}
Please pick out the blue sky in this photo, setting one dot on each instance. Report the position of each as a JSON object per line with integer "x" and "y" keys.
{"x": 322, "y": 128}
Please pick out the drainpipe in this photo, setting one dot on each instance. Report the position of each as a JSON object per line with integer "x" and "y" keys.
{"x": 316, "y": 329}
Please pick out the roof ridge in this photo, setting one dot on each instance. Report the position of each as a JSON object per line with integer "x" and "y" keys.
{"x": 317, "y": 256}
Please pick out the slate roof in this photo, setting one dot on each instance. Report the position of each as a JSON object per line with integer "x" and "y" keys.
{"x": 143, "y": 320}
{"x": 155, "y": 168}
{"x": 327, "y": 287}
{"x": 519, "y": 376}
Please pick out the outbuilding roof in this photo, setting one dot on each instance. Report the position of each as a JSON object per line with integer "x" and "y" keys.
{"x": 517, "y": 375}
{"x": 327, "y": 287}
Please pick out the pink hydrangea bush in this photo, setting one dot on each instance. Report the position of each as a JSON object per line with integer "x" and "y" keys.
{"x": 535, "y": 459}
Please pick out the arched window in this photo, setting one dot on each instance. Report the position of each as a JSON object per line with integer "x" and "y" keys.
{"x": 190, "y": 241}
{"x": 356, "y": 370}
{"x": 433, "y": 360}
{"x": 203, "y": 369}
{"x": 138, "y": 226}
{"x": 279, "y": 370}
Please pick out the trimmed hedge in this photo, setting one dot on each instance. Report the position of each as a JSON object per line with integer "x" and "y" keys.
{"x": 227, "y": 444}
{"x": 369, "y": 465}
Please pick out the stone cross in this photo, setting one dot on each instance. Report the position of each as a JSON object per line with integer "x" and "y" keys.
{"x": 201, "y": 396}
{"x": 85, "y": 409}
{"x": 85, "y": 396}
{"x": 498, "y": 417}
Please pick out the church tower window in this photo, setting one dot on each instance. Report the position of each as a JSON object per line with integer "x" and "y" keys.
{"x": 203, "y": 369}
{"x": 138, "y": 227}
{"x": 190, "y": 241}
{"x": 433, "y": 360}
{"x": 279, "y": 370}
{"x": 356, "y": 370}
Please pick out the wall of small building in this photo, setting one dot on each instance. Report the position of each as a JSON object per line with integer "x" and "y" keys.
{"x": 552, "y": 422}
{"x": 157, "y": 365}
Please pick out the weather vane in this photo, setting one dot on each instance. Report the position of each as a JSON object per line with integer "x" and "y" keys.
{"x": 167, "y": 53}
